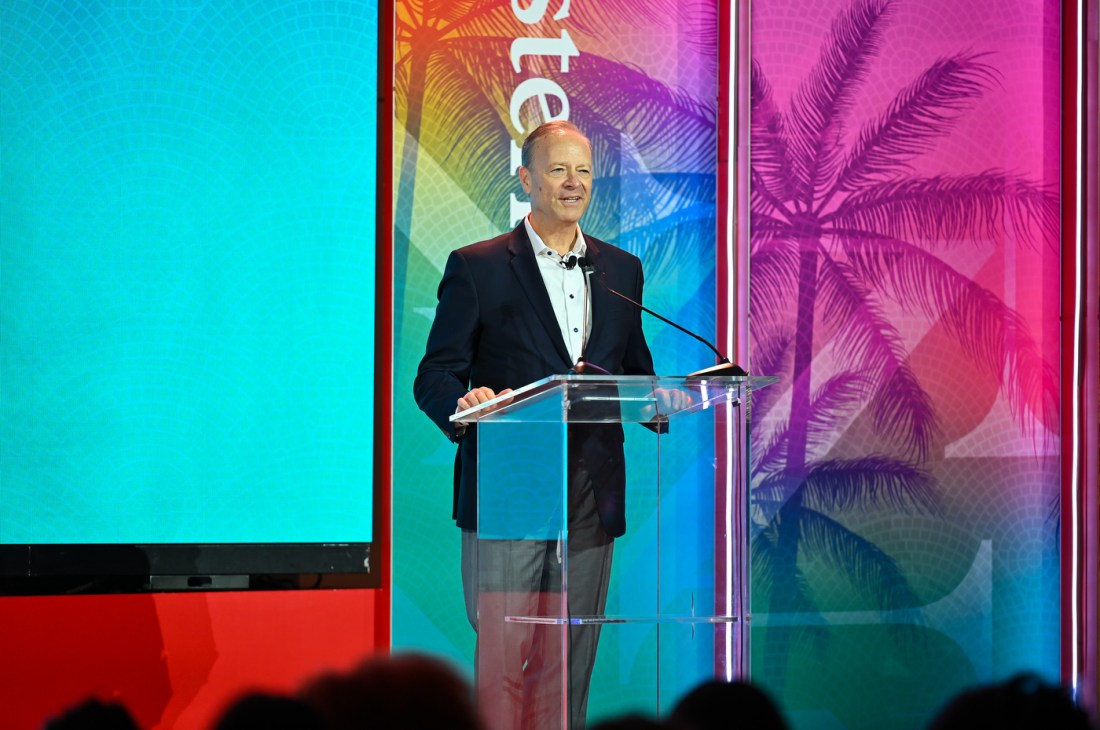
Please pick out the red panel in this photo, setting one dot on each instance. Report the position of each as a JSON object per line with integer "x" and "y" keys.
{"x": 383, "y": 343}
{"x": 174, "y": 660}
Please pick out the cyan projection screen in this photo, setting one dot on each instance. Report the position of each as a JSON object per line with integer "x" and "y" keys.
{"x": 187, "y": 286}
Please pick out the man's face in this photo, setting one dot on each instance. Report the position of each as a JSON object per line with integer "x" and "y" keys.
{"x": 560, "y": 178}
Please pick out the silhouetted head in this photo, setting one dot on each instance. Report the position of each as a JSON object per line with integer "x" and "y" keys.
{"x": 93, "y": 715}
{"x": 716, "y": 704}
{"x": 404, "y": 692}
{"x": 630, "y": 722}
{"x": 260, "y": 711}
{"x": 1024, "y": 702}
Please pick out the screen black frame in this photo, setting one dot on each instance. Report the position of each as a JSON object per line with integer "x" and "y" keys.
{"x": 66, "y": 569}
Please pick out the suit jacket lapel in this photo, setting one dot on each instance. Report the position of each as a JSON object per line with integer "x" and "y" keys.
{"x": 530, "y": 281}
{"x": 598, "y": 295}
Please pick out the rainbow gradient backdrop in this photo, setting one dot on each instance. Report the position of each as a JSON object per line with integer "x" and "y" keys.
{"x": 972, "y": 556}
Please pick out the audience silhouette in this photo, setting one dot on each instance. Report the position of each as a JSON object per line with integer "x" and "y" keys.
{"x": 717, "y": 704}
{"x": 630, "y": 722}
{"x": 261, "y": 711}
{"x": 419, "y": 692}
{"x": 1024, "y": 702}
{"x": 93, "y": 714}
{"x": 406, "y": 692}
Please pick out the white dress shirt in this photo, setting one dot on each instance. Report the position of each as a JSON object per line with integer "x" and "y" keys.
{"x": 566, "y": 288}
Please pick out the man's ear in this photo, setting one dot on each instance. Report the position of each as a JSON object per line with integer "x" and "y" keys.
{"x": 525, "y": 179}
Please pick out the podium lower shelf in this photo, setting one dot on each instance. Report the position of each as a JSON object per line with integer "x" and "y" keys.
{"x": 602, "y": 620}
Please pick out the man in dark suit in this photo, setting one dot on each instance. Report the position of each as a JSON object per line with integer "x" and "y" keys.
{"x": 513, "y": 310}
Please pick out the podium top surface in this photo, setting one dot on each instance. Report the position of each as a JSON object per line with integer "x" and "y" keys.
{"x": 613, "y": 399}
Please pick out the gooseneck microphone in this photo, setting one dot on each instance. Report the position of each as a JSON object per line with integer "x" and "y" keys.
{"x": 583, "y": 367}
{"x": 724, "y": 366}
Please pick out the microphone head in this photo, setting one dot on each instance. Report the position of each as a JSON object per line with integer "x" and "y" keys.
{"x": 583, "y": 367}
{"x": 571, "y": 262}
{"x": 586, "y": 266}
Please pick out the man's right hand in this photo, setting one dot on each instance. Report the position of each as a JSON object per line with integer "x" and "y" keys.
{"x": 477, "y": 396}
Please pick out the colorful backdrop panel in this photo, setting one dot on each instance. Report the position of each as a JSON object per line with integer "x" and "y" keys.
{"x": 905, "y": 286}
{"x": 640, "y": 78}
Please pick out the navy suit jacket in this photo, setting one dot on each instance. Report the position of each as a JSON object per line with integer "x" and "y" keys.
{"x": 495, "y": 327}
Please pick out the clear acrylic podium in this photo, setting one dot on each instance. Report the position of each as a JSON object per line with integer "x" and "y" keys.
{"x": 666, "y": 602}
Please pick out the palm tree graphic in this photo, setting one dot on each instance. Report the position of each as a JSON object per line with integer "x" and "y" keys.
{"x": 841, "y": 231}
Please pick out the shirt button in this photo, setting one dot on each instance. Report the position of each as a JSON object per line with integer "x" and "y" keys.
{"x": 572, "y": 297}
{"x": 575, "y": 329}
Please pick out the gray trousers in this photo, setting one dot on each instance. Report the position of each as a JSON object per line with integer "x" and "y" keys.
{"x": 519, "y": 665}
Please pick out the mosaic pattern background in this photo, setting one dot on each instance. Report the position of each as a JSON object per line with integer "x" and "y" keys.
{"x": 905, "y": 287}
{"x": 643, "y": 86}
{"x": 187, "y": 256}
